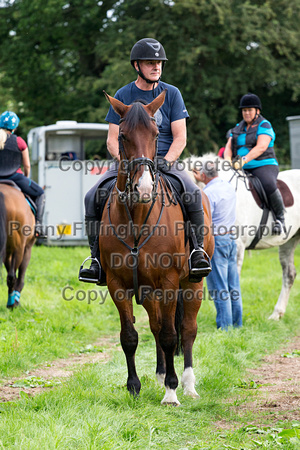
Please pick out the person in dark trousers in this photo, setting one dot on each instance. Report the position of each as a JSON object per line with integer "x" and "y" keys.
{"x": 253, "y": 140}
{"x": 14, "y": 154}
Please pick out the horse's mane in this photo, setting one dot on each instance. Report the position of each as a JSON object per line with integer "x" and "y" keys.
{"x": 137, "y": 116}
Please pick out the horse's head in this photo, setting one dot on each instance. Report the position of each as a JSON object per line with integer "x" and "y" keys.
{"x": 138, "y": 135}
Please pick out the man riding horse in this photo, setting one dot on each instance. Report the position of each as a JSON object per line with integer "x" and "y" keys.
{"x": 148, "y": 58}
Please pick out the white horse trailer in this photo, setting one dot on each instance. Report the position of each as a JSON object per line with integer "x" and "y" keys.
{"x": 66, "y": 160}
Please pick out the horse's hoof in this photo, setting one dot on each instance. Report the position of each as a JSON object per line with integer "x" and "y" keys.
{"x": 170, "y": 398}
{"x": 13, "y": 300}
{"x": 134, "y": 389}
{"x": 192, "y": 394}
{"x": 171, "y": 404}
{"x": 276, "y": 316}
{"x": 11, "y": 307}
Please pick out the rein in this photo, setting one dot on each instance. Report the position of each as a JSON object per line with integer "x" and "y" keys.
{"x": 238, "y": 176}
{"x": 124, "y": 196}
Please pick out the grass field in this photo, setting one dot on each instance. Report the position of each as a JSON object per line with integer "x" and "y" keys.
{"x": 92, "y": 409}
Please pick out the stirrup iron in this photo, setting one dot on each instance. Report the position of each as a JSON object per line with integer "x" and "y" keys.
{"x": 89, "y": 280}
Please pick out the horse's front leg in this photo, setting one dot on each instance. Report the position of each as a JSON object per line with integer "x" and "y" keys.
{"x": 11, "y": 281}
{"x": 152, "y": 307}
{"x": 128, "y": 337}
{"x": 168, "y": 340}
{"x": 188, "y": 335}
{"x": 21, "y": 274}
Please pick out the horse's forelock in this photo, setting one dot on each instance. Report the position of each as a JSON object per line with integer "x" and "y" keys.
{"x": 137, "y": 116}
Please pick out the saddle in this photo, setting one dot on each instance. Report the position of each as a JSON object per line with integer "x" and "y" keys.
{"x": 261, "y": 199}
{"x": 28, "y": 199}
{"x": 259, "y": 194}
{"x": 172, "y": 194}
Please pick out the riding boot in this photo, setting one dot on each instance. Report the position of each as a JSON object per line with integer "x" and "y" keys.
{"x": 277, "y": 206}
{"x": 199, "y": 261}
{"x": 40, "y": 206}
{"x": 95, "y": 273}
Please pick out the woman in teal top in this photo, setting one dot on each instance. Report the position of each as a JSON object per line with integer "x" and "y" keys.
{"x": 253, "y": 140}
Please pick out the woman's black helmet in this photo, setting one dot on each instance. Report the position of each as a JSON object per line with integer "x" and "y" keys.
{"x": 250, "y": 101}
{"x": 147, "y": 49}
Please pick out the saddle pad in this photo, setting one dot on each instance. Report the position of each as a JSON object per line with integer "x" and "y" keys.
{"x": 10, "y": 183}
{"x": 286, "y": 193}
{"x": 31, "y": 203}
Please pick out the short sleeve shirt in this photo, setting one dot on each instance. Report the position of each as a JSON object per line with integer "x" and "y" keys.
{"x": 22, "y": 146}
{"x": 222, "y": 198}
{"x": 173, "y": 109}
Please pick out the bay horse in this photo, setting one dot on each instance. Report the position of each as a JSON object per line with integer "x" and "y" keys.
{"x": 248, "y": 219}
{"x": 17, "y": 236}
{"x": 150, "y": 259}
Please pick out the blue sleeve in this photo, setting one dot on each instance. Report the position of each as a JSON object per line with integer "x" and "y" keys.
{"x": 112, "y": 116}
{"x": 266, "y": 128}
{"x": 178, "y": 109}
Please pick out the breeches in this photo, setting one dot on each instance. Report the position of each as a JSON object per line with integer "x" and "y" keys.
{"x": 267, "y": 176}
{"x": 188, "y": 190}
{"x": 27, "y": 185}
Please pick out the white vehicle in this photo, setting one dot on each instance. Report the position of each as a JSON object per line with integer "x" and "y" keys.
{"x": 66, "y": 160}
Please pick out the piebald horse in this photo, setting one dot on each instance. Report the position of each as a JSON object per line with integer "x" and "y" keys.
{"x": 152, "y": 256}
{"x": 248, "y": 219}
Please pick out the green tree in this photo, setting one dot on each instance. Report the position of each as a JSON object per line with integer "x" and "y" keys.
{"x": 57, "y": 58}
{"x": 48, "y": 56}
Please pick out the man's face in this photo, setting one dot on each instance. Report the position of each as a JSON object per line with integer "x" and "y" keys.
{"x": 151, "y": 69}
{"x": 198, "y": 175}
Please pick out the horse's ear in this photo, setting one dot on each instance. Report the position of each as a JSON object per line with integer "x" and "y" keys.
{"x": 157, "y": 103}
{"x": 118, "y": 106}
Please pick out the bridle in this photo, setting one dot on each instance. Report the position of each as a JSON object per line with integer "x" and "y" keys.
{"x": 124, "y": 197}
{"x": 136, "y": 164}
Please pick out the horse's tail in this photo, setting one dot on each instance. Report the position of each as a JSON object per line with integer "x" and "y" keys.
{"x": 178, "y": 321}
{"x": 3, "y": 235}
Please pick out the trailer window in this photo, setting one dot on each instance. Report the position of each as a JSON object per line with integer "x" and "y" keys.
{"x": 95, "y": 149}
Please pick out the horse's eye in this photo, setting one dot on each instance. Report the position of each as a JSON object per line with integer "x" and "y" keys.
{"x": 122, "y": 136}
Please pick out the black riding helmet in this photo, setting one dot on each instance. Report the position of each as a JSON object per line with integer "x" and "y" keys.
{"x": 250, "y": 101}
{"x": 147, "y": 49}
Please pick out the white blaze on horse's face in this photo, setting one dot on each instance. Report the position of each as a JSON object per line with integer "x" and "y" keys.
{"x": 144, "y": 186}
